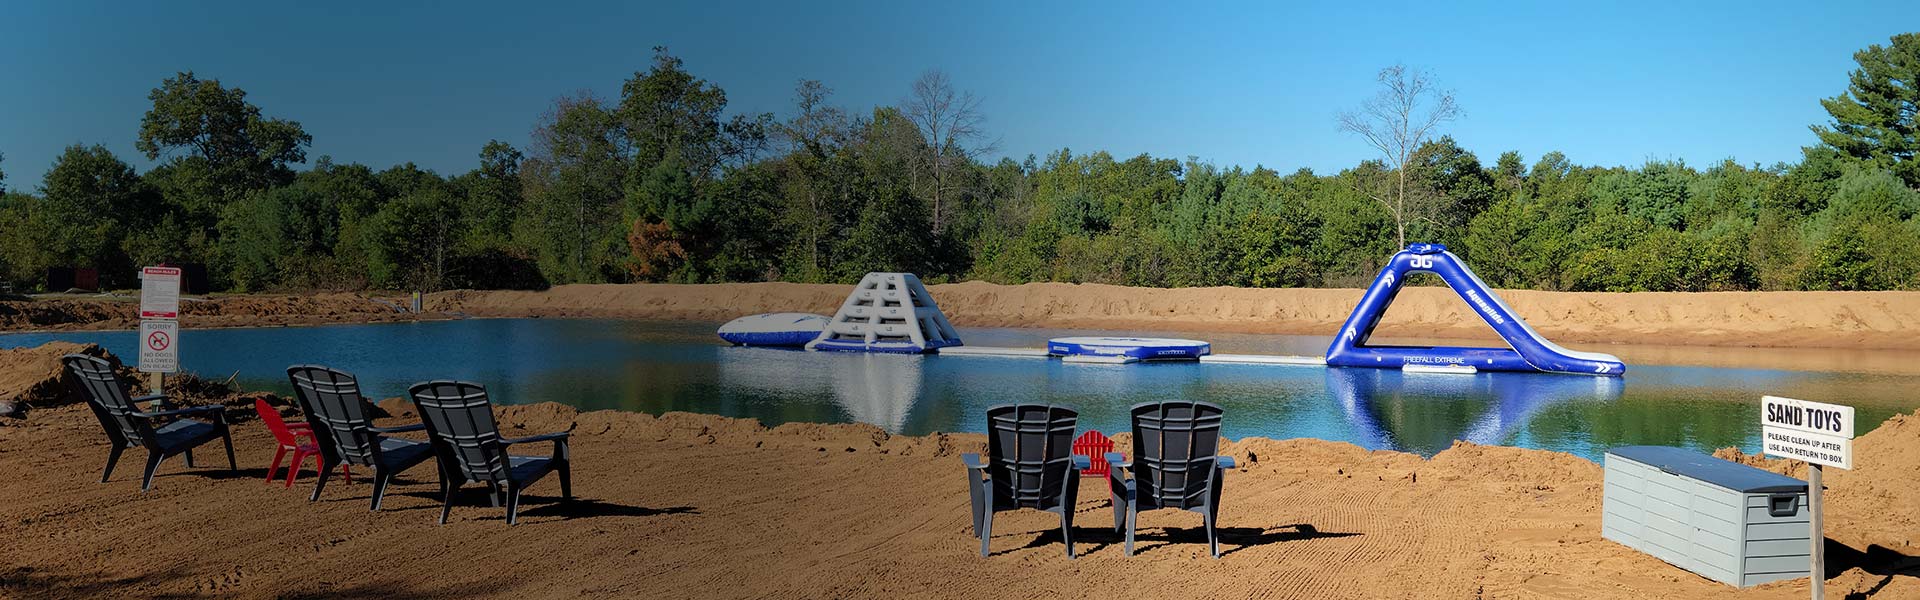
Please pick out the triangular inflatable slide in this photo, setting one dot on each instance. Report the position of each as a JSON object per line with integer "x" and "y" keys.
{"x": 887, "y": 312}
{"x": 1526, "y": 350}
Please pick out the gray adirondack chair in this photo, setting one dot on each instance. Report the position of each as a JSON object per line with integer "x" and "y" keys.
{"x": 460, "y": 420}
{"x": 338, "y": 415}
{"x": 1176, "y": 464}
{"x": 1029, "y": 464}
{"x": 129, "y": 427}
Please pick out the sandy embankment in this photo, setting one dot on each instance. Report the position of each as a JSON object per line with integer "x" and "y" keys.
{"x": 686, "y": 506}
{"x": 67, "y": 313}
{"x": 1888, "y": 320}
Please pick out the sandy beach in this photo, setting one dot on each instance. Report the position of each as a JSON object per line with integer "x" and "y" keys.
{"x": 697, "y": 506}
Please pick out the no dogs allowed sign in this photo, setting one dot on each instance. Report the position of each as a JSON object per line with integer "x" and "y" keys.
{"x": 1807, "y": 431}
{"x": 159, "y": 346}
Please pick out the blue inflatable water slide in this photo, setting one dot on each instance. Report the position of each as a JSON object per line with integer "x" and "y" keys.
{"x": 1526, "y": 350}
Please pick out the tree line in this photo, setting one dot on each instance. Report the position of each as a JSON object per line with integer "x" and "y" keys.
{"x": 662, "y": 184}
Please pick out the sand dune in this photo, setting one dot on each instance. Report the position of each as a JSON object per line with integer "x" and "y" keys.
{"x": 1888, "y": 320}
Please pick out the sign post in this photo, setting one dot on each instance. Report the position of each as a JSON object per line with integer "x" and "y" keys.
{"x": 1818, "y": 434}
{"x": 159, "y": 325}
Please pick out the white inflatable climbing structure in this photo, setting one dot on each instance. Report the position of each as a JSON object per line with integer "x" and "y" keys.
{"x": 887, "y": 312}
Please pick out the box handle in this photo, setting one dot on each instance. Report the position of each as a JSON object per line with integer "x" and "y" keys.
{"x": 1783, "y": 505}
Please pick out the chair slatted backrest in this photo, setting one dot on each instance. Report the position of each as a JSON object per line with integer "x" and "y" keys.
{"x": 1029, "y": 447}
{"x": 337, "y": 412}
{"x": 93, "y": 376}
{"x": 1174, "y": 445}
{"x": 460, "y": 420}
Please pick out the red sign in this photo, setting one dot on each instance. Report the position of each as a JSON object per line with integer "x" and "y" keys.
{"x": 159, "y": 341}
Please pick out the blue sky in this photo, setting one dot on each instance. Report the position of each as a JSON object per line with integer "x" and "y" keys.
{"x": 1608, "y": 84}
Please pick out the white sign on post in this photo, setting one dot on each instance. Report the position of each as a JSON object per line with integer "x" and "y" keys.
{"x": 160, "y": 293}
{"x": 1819, "y": 434}
{"x": 159, "y": 346}
{"x": 1807, "y": 431}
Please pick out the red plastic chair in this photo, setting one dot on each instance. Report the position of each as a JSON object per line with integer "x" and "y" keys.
{"x": 1094, "y": 445}
{"x": 288, "y": 435}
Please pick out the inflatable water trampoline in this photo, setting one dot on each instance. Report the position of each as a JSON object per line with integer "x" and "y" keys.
{"x": 784, "y": 330}
{"x": 1128, "y": 349}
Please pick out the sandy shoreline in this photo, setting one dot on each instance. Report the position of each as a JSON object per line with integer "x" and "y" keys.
{"x": 1827, "y": 320}
{"x": 684, "y": 505}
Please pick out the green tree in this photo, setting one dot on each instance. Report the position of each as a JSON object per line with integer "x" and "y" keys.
{"x": 1874, "y": 120}
{"x": 221, "y": 146}
{"x": 574, "y": 193}
{"x": 412, "y": 238}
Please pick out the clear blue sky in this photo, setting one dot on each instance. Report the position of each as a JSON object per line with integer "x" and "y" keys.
{"x": 387, "y": 83}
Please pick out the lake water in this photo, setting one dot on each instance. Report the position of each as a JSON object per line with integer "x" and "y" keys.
{"x": 655, "y": 367}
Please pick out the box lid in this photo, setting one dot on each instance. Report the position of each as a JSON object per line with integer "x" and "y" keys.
{"x": 1726, "y": 474}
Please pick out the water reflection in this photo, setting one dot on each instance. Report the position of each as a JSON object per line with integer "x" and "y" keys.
{"x": 879, "y": 389}
{"x": 1426, "y": 412}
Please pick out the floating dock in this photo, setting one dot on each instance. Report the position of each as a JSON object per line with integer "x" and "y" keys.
{"x": 1265, "y": 359}
{"x": 994, "y": 351}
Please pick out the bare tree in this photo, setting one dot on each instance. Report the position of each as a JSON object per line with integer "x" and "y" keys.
{"x": 1396, "y": 122}
{"x": 951, "y": 122}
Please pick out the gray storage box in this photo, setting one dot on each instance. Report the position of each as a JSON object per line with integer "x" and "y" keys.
{"x": 1726, "y": 521}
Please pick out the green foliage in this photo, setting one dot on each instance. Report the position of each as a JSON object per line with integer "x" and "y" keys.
{"x": 665, "y": 185}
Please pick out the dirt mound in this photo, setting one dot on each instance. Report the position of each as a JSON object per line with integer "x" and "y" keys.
{"x": 34, "y": 378}
{"x": 1878, "y": 502}
{"x": 117, "y": 312}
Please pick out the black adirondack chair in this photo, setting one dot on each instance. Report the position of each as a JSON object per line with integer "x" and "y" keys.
{"x": 339, "y": 418}
{"x": 129, "y": 427}
{"x": 465, "y": 436}
{"x": 1176, "y": 464}
{"x": 1029, "y": 465}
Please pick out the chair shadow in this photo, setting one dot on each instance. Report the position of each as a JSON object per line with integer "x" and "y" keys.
{"x": 1878, "y": 560}
{"x": 1087, "y": 540}
{"x": 1232, "y": 539}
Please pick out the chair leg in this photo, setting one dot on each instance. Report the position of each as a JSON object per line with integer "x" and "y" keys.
{"x": 1133, "y": 519}
{"x": 1119, "y": 513}
{"x": 974, "y": 489}
{"x": 493, "y": 495}
{"x": 380, "y": 479}
{"x": 566, "y": 481}
{"x": 446, "y": 506}
{"x": 320, "y": 482}
{"x": 513, "y": 504}
{"x": 1213, "y": 544}
{"x": 1066, "y": 528}
{"x": 113, "y": 457}
{"x": 346, "y": 473}
{"x": 153, "y": 466}
{"x": 189, "y": 455}
{"x": 278, "y": 455}
{"x": 225, "y": 436}
{"x": 300, "y": 460}
{"x": 986, "y": 531}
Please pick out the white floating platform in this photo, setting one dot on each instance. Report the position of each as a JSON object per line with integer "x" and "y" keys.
{"x": 994, "y": 351}
{"x": 1265, "y": 359}
{"x": 1442, "y": 369}
{"x": 1099, "y": 360}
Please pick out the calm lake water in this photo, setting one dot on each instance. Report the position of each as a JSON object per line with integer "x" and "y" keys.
{"x": 656, "y": 367}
